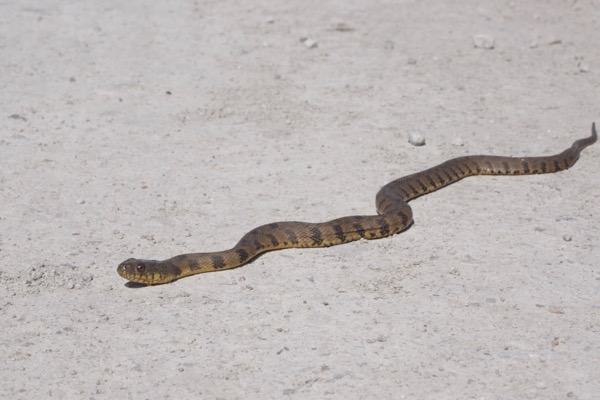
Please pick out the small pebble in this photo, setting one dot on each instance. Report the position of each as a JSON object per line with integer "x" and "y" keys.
{"x": 540, "y": 385}
{"x": 311, "y": 44}
{"x": 567, "y": 238}
{"x": 341, "y": 26}
{"x": 481, "y": 41}
{"x": 458, "y": 142}
{"x": 415, "y": 138}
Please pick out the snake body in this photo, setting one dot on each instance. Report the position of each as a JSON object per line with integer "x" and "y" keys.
{"x": 394, "y": 215}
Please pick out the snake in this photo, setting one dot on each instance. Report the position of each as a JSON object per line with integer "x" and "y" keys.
{"x": 394, "y": 215}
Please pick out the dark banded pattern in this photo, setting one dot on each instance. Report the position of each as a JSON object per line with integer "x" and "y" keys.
{"x": 218, "y": 262}
{"x": 243, "y": 255}
{"x": 395, "y": 215}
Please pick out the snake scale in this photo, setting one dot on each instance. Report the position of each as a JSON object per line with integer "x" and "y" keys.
{"x": 394, "y": 215}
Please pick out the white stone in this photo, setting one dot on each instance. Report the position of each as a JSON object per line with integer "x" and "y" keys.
{"x": 481, "y": 41}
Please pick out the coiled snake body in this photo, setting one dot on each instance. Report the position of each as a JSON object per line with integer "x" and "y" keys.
{"x": 395, "y": 215}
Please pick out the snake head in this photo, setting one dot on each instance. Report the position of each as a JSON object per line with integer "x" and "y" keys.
{"x": 149, "y": 272}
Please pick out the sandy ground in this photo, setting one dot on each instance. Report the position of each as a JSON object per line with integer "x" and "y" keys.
{"x": 157, "y": 128}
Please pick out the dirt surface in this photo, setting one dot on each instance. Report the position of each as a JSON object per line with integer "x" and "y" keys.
{"x": 149, "y": 129}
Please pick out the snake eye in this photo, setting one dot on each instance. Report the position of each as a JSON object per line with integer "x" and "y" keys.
{"x": 140, "y": 267}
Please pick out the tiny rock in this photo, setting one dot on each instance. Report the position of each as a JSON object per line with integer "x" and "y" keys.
{"x": 311, "y": 44}
{"x": 341, "y": 26}
{"x": 481, "y": 41}
{"x": 415, "y": 138}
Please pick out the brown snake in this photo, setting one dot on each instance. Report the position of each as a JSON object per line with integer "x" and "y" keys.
{"x": 395, "y": 215}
